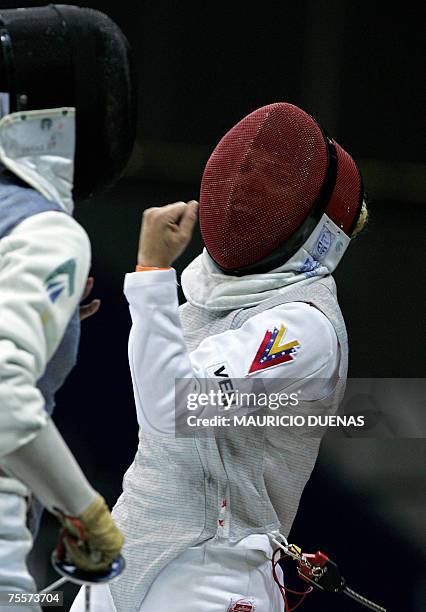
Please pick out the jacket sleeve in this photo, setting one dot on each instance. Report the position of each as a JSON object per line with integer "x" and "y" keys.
{"x": 44, "y": 264}
{"x": 157, "y": 351}
{"x": 158, "y": 354}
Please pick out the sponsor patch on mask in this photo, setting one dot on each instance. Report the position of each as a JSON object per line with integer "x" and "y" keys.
{"x": 323, "y": 244}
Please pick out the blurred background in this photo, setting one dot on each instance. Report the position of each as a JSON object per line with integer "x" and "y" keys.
{"x": 358, "y": 68}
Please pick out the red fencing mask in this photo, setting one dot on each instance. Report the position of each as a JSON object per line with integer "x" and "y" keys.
{"x": 268, "y": 184}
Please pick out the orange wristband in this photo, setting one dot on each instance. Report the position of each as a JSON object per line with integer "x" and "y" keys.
{"x": 148, "y": 268}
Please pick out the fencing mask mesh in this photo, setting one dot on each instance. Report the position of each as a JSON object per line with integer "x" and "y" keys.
{"x": 266, "y": 186}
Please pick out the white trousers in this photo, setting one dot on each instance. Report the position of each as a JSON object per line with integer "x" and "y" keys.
{"x": 15, "y": 542}
{"x": 213, "y": 577}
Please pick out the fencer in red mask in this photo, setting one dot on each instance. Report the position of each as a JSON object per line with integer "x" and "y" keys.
{"x": 279, "y": 204}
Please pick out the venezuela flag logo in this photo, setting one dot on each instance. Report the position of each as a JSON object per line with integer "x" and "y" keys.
{"x": 272, "y": 353}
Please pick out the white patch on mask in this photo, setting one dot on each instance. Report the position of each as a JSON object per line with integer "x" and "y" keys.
{"x": 39, "y": 147}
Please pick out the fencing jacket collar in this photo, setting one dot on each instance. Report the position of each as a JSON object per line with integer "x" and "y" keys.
{"x": 205, "y": 286}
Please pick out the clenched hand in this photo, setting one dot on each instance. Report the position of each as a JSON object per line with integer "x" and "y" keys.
{"x": 165, "y": 233}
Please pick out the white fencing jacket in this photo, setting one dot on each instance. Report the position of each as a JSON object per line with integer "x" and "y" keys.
{"x": 158, "y": 354}
{"x": 182, "y": 491}
{"x": 44, "y": 262}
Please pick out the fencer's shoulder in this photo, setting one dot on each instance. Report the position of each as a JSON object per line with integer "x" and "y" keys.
{"x": 51, "y": 230}
{"x": 298, "y": 315}
{"x": 295, "y": 335}
{"x": 52, "y": 221}
{"x": 294, "y": 340}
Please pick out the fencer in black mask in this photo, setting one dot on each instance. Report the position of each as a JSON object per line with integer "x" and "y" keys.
{"x": 67, "y": 127}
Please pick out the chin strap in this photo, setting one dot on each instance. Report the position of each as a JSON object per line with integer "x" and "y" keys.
{"x": 317, "y": 570}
